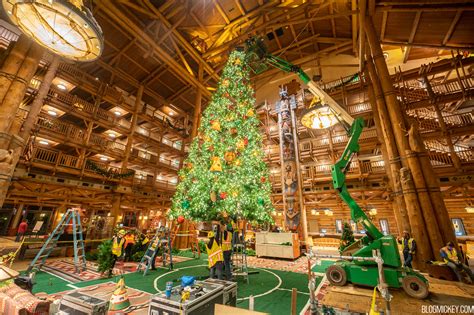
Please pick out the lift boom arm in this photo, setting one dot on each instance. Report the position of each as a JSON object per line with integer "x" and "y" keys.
{"x": 339, "y": 169}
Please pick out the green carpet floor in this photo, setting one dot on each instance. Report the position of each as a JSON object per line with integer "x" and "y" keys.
{"x": 274, "y": 299}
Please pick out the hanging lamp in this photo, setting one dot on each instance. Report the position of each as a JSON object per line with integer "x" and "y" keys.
{"x": 65, "y": 27}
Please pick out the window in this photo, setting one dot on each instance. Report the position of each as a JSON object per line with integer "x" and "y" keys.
{"x": 338, "y": 226}
{"x": 458, "y": 226}
{"x": 384, "y": 226}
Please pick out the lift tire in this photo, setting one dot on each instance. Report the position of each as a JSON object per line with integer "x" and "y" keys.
{"x": 415, "y": 287}
{"x": 336, "y": 275}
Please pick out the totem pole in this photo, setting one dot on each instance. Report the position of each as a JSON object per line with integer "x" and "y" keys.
{"x": 290, "y": 169}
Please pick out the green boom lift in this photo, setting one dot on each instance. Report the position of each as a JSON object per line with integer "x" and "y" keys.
{"x": 355, "y": 271}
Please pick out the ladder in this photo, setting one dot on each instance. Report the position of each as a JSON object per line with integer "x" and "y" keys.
{"x": 161, "y": 240}
{"x": 72, "y": 216}
{"x": 239, "y": 261}
{"x": 193, "y": 242}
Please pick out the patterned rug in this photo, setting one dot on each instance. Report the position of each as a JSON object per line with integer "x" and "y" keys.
{"x": 299, "y": 265}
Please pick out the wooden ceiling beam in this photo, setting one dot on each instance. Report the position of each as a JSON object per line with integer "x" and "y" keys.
{"x": 272, "y": 24}
{"x": 183, "y": 41}
{"x": 221, "y": 11}
{"x": 354, "y": 23}
{"x": 412, "y": 35}
{"x": 427, "y": 45}
{"x": 117, "y": 15}
{"x": 384, "y": 25}
{"x": 452, "y": 7}
{"x": 452, "y": 27}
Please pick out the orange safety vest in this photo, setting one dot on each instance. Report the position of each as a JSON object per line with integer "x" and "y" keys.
{"x": 214, "y": 254}
{"x": 129, "y": 240}
{"x": 453, "y": 255}
{"x": 227, "y": 242}
{"x": 117, "y": 246}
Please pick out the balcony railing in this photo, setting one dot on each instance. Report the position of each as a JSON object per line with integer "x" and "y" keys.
{"x": 55, "y": 158}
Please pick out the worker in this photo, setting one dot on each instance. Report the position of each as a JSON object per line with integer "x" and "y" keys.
{"x": 450, "y": 257}
{"x": 117, "y": 246}
{"x": 214, "y": 253}
{"x": 227, "y": 249}
{"x": 22, "y": 228}
{"x": 128, "y": 245}
{"x": 409, "y": 248}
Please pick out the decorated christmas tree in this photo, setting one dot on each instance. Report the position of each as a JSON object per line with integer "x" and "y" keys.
{"x": 224, "y": 175}
{"x": 347, "y": 237}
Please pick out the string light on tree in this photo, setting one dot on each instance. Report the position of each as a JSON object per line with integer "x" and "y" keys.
{"x": 229, "y": 177}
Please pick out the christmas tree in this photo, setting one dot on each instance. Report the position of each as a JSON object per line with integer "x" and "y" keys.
{"x": 224, "y": 175}
{"x": 347, "y": 237}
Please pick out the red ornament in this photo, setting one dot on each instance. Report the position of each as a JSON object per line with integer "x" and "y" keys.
{"x": 211, "y": 148}
{"x": 246, "y": 141}
{"x": 223, "y": 195}
{"x": 263, "y": 179}
{"x": 180, "y": 219}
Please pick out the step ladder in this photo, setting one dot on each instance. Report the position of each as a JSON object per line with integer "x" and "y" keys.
{"x": 192, "y": 233}
{"x": 161, "y": 240}
{"x": 72, "y": 216}
{"x": 239, "y": 261}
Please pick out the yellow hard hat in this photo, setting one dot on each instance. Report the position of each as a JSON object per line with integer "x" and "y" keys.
{"x": 122, "y": 232}
{"x": 210, "y": 234}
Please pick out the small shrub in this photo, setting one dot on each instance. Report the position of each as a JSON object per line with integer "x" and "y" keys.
{"x": 138, "y": 256}
{"x": 251, "y": 252}
{"x": 92, "y": 256}
{"x": 104, "y": 257}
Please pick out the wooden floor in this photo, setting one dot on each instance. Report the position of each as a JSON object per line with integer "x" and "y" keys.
{"x": 357, "y": 299}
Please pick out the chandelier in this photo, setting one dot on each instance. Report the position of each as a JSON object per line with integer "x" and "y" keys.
{"x": 318, "y": 116}
{"x": 65, "y": 27}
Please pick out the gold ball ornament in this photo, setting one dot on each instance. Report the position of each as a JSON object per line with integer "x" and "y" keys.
{"x": 251, "y": 112}
{"x": 216, "y": 125}
{"x": 229, "y": 156}
{"x": 235, "y": 194}
{"x": 240, "y": 144}
{"x": 225, "y": 82}
{"x": 237, "y": 162}
{"x": 237, "y": 61}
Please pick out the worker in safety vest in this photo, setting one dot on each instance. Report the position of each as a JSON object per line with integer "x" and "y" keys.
{"x": 117, "y": 246}
{"x": 409, "y": 248}
{"x": 128, "y": 245}
{"x": 227, "y": 249}
{"x": 215, "y": 258}
{"x": 450, "y": 257}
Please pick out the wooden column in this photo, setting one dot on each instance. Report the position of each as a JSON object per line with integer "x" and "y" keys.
{"x": 133, "y": 125}
{"x": 399, "y": 207}
{"x": 16, "y": 219}
{"x": 18, "y": 84}
{"x": 399, "y": 129}
{"x": 12, "y": 64}
{"x": 444, "y": 221}
{"x": 115, "y": 211}
{"x": 37, "y": 103}
{"x": 197, "y": 106}
{"x": 381, "y": 117}
{"x": 12, "y": 91}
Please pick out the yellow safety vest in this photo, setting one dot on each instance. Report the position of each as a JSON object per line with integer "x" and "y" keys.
{"x": 410, "y": 244}
{"x": 214, "y": 254}
{"x": 227, "y": 242}
{"x": 117, "y": 246}
{"x": 453, "y": 255}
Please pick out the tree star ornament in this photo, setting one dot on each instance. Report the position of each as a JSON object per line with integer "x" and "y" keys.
{"x": 216, "y": 164}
